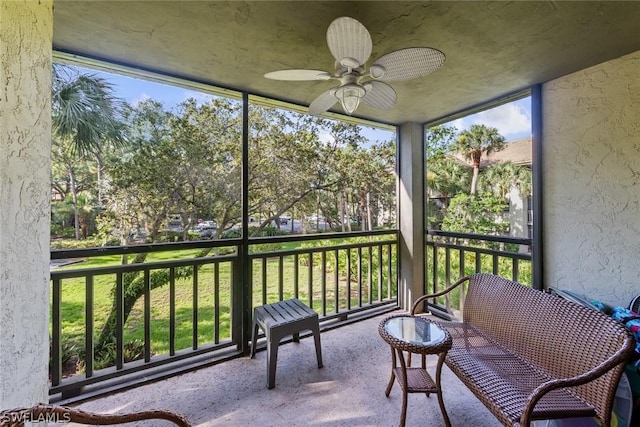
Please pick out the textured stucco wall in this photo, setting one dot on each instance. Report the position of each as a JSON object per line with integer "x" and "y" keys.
{"x": 25, "y": 145}
{"x": 591, "y": 137}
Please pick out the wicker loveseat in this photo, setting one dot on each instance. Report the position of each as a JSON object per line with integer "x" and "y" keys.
{"x": 528, "y": 355}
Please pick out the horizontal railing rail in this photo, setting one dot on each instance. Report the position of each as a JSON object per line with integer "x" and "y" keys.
{"x": 451, "y": 256}
{"x": 323, "y": 236}
{"x": 141, "y": 248}
{"x": 172, "y": 310}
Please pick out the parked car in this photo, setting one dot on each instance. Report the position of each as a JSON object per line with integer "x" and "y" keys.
{"x": 204, "y": 224}
{"x": 206, "y": 231}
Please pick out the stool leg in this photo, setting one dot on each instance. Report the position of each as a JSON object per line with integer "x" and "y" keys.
{"x": 273, "y": 340}
{"x": 316, "y": 337}
{"x": 254, "y": 337}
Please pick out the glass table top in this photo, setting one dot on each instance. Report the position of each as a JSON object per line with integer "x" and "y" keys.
{"x": 414, "y": 330}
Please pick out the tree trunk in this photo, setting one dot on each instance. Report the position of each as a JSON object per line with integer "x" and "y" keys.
{"x": 108, "y": 332}
{"x": 342, "y": 215}
{"x": 133, "y": 287}
{"x": 476, "y": 155}
{"x": 293, "y": 212}
{"x": 474, "y": 180}
{"x": 100, "y": 184}
{"x": 362, "y": 209}
{"x": 369, "y": 223}
{"x": 346, "y": 202}
{"x": 74, "y": 198}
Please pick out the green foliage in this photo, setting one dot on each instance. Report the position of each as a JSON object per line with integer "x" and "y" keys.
{"x": 79, "y": 244}
{"x": 369, "y": 261}
{"x": 439, "y": 141}
{"x": 501, "y": 177}
{"x": 84, "y": 109}
{"x": 449, "y": 181}
{"x": 478, "y": 140}
{"x": 505, "y": 268}
{"x": 481, "y": 214}
{"x": 106, "y": 357}
{"x": 475, "y": 142}
{"x": 69, "y": 355}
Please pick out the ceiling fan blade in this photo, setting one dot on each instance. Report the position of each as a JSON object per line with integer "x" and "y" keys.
{"x": 379, "y": 95}
{"x": 349, "y": 40}
{"x": 323, "y": 102}
{"x": 406, "y": 64}
{"x": 298, "y": 75}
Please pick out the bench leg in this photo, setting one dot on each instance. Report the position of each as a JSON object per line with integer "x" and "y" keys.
{"x": 316, "y": 337}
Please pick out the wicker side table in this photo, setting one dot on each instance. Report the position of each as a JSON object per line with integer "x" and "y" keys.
{"x": 418, "y": 335}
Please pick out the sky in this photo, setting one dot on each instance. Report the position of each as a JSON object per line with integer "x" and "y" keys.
{"x": 513, "y": 120}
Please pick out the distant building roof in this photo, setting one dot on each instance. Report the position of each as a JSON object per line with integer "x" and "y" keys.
{"x": 517, "y": 152}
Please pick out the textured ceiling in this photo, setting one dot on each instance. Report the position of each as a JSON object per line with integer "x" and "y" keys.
{"x": 492, "y": 48}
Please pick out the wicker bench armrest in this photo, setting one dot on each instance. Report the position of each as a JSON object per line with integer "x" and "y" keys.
{"x": 54, "y": 413}
{"x": 437, "y": 294}
{"x": 615, "y": 359}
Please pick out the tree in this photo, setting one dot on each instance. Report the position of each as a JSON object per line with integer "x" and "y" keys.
{"x": 475, "y": 142}
{"x": 289, "y": 165}
{"x": 85, "y": 115}
{"x": 143, "y": 174}
{"x": 205, "y": 145}
{"x": 446, "y": 177}
{"x": 502, "y": 177}
{"x": 439, "y": 140}
{"x": 481, "y": 214}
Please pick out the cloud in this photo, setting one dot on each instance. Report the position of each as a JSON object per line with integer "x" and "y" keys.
{"x": 200, "y": 97}
{"x": 325, "y": 137}
{"x": 140, "y": 98}
{"x": 512, "y": 120}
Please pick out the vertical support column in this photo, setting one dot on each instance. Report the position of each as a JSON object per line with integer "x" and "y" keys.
{"x": 537, "y": 244}
{"x": 26, "y": 30}
{"x": 244, "y": 297}
{"x": 411, "y": 213}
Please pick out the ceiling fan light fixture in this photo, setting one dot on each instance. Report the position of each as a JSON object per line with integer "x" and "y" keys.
{"x": 350, "y": 96}
{"x": 377, "y": 71}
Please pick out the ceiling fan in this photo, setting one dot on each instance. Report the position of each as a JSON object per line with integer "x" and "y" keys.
{"x": 350, "y": 44}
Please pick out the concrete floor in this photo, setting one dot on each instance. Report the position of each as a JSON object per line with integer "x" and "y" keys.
{"x": 348, "y": 391}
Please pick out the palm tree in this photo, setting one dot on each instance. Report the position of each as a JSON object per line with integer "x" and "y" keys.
{"x": 85, "y": 110}
{"x": 475, "y": 142}
{"x": 446, "y": 177}
{"x": 501, "y": 177}
{"x": 85, "y": 116}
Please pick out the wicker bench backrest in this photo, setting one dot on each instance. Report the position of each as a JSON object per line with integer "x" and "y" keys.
{"x": 562, "y": 338}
